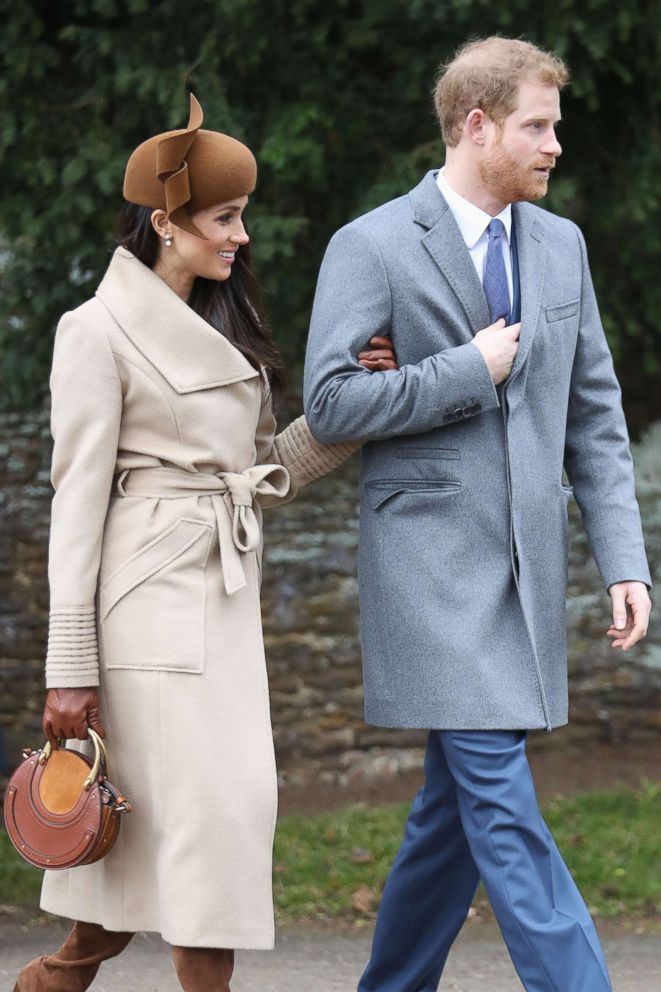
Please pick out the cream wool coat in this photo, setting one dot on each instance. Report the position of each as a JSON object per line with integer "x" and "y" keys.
{"x": 164, "y": 455}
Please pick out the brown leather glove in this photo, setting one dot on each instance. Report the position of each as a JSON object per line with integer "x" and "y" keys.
{"x": 381, "y": 358}
{"x": 69, "y": 712}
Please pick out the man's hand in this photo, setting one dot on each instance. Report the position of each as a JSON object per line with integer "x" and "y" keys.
{"x": 499, "y": 345}
{"x": 381, "y": 358}
{"x": 631, "y": 613}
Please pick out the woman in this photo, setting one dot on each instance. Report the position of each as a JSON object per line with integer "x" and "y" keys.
{"x": 164, "y": 456}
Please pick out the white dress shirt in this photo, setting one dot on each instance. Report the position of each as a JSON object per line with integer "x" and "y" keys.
{"x": 473, "y": 223}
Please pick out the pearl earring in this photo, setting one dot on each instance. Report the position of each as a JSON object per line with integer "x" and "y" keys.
{"x": 168, "y": 240}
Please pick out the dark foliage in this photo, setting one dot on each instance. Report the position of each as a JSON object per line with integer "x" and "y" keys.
{"x": 334, "y": 99}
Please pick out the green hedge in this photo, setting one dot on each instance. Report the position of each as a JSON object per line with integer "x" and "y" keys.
{"x": 335, "y": 101}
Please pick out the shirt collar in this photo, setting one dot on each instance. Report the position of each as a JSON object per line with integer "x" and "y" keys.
{"x": 471, "y": 220}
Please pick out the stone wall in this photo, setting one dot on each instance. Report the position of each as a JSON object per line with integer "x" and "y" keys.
{"x": 25, "y": 494}
{"x": 310, "y": 620}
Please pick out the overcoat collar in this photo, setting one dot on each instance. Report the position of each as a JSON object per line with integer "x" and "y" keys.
{"x": 188, "y": 352}
{"x": 442, "y": 239}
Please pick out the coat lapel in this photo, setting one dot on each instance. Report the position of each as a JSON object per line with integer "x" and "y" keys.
{"x": 531, "y": 250}
{"x": 188, "y": 352}
{"x": 446, "y": 246}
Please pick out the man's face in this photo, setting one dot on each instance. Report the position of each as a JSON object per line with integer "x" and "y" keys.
{"x": 520, "y": 153}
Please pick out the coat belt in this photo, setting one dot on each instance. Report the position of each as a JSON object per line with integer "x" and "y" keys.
{"x": 232, "y": 495}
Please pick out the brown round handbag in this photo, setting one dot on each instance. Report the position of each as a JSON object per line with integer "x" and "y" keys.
{"x": 60, "y": 809}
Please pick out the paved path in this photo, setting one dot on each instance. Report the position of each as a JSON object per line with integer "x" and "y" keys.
{"x": 313, "y": 961}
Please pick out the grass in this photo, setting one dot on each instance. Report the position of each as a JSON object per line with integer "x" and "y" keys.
{"x": 334, "y": 866}
{"x": 611, "y": 842}
{"x": 19, "y": 881}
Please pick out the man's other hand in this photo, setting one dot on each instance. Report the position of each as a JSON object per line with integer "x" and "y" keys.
{"x": 631, "y": 613}
{"x": 382, "y": 356}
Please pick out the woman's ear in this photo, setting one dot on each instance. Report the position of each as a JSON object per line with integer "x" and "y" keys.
{"x": 161, "y": 224}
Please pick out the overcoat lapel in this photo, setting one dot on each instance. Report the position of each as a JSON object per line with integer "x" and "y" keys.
{"x": 531, "y": 249}
{"x": 188, "y": 352}
{"x": 446, "y": 246}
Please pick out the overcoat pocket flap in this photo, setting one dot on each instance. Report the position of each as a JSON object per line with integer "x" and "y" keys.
{"x": 418, "y": 452}
{"x": 382, "y": 490}
{"x": 152, "y": 558}
{"x": 562, "y": 311}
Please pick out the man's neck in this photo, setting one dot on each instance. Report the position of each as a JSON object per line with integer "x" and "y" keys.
{"x": 466, "y": 181}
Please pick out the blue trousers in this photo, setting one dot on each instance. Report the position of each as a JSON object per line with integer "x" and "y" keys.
{"x": 476, "y": 817}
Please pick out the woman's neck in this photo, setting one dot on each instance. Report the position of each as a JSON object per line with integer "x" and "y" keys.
{"x": 179, "y": 280}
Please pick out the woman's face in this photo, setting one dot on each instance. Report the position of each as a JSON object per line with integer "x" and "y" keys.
{"x": 212, "y": 259}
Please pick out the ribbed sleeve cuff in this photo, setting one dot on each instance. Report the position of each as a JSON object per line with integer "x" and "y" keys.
{"x": 73, "y": 655}
{"x": 307, "y": 459}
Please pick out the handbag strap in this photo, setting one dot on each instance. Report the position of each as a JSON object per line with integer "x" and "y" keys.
{"x": 100, "y": 758}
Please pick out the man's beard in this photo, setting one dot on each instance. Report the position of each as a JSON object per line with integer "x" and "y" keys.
{"x": 510, "y": 181}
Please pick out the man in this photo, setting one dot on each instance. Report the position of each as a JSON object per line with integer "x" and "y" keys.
{"x": 463, "y": 530}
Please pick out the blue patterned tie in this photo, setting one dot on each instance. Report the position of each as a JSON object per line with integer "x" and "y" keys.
{"x": 495, "y": 276}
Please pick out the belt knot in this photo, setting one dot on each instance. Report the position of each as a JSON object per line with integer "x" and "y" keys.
{"x": 240, "y": 487}
{"x": 232, "y": 496}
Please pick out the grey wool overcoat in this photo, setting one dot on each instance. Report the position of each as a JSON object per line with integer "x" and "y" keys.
{"x": 463, "y": 513}
{"x": 165, "y": 453}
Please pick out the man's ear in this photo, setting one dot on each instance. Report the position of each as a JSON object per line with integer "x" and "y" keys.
{"x": 475, "y": 127}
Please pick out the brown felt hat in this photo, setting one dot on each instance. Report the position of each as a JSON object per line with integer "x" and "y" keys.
{"x": 188, "y": 170}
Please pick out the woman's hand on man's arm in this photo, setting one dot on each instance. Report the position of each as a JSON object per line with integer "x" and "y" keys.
{"x": 381, "y": 357}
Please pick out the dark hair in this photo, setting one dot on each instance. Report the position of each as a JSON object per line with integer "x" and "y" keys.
{"x": 233, "y": 307}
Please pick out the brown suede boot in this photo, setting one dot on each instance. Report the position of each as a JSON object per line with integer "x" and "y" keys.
{"x": 201, "y": 969}
{"x": 73, "y": 967}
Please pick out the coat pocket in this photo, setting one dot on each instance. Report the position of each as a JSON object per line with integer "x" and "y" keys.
{"x": 152, "y": 607}
{"x": 382, "y": 490}
{"x": 562, "y": 311}
{"x": 411, "y": 452}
